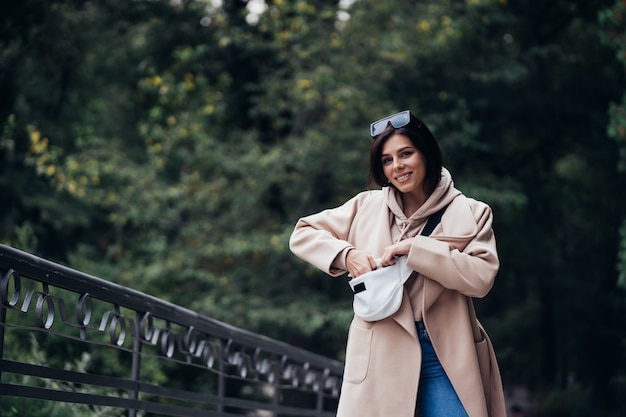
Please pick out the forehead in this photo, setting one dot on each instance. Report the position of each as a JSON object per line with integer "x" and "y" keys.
{"x": 396, "y": 143}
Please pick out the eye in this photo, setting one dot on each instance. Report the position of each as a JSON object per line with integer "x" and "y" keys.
{"x": 407, "y": 153}
{"x": 386, "y": 161}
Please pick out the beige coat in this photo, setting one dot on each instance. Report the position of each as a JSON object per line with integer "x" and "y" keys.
{"x": 383, "y": 358}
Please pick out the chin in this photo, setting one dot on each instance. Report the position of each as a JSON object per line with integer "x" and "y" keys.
{"x": 406, "y": 190}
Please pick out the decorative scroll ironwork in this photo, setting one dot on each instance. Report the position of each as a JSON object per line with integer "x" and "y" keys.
{"x": 94, "y": 312}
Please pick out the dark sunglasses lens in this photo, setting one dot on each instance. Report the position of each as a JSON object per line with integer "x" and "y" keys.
{"x": 378, "y": 127}
{"x": 400, "y": 119}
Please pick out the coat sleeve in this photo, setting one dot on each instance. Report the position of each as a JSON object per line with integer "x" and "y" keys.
{"x": 319, "y": 238}
{"x": 466, "y": 261}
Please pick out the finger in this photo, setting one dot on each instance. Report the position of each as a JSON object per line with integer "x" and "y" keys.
{"x": 372, "y": 262}
{"x": 388, "y": 258}
{"x": 388, "y": 262}
{"x": 355, "y": 272}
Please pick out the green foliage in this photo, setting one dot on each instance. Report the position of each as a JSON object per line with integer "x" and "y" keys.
{"x": 35, "y": 354}
{"x": 614, "y": 35}
{"x": 171, "y": 146}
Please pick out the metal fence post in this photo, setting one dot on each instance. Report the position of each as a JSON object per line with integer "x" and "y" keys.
{"x": 135, "y": 370}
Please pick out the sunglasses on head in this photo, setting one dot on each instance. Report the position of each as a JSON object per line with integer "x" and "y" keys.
{"x": 397, "y": 120}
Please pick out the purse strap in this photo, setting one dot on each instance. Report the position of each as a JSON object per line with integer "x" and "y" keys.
{"x": 432, "y": 222}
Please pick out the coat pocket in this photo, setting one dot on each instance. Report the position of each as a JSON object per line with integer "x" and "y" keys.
{"x": 357, "y": 354}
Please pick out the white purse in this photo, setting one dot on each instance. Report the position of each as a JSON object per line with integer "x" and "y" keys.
{"x": 378, "y": 294}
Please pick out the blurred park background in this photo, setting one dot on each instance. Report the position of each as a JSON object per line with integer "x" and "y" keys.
{"x": 170, "y": 147}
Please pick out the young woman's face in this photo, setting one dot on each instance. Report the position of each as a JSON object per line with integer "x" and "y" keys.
{"x": 404, "y": 166}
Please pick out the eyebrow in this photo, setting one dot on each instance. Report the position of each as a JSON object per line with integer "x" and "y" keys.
{"x": 399, "y": 150}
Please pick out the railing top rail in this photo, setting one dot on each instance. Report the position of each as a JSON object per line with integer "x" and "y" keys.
{"x": 69, "y": 279}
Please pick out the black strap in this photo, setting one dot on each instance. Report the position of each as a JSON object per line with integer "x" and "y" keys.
{"x": 433, "y": 221}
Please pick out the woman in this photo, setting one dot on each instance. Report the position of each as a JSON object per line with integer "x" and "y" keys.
{"x": 423, "y": 359}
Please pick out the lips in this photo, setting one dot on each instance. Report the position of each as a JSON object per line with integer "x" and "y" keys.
{"x": 403, "y": 178}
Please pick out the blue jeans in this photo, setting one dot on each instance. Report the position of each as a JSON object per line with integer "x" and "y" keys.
{"x": 436, "y": 396}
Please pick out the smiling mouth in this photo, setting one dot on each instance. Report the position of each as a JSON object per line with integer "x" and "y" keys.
{"x": 403, "y": 178}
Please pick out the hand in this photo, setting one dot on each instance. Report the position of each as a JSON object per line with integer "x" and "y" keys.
{"x": 397, "y": 249}
{"x": 358, "y": 263}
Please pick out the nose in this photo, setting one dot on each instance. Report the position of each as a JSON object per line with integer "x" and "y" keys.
{"x": 397, "y": 164}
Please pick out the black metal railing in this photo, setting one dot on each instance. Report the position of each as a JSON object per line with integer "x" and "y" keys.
{"x": 70, "y": 338}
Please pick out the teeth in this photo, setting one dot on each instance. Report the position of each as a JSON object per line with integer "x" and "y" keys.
{"x": 402, "y": 178}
